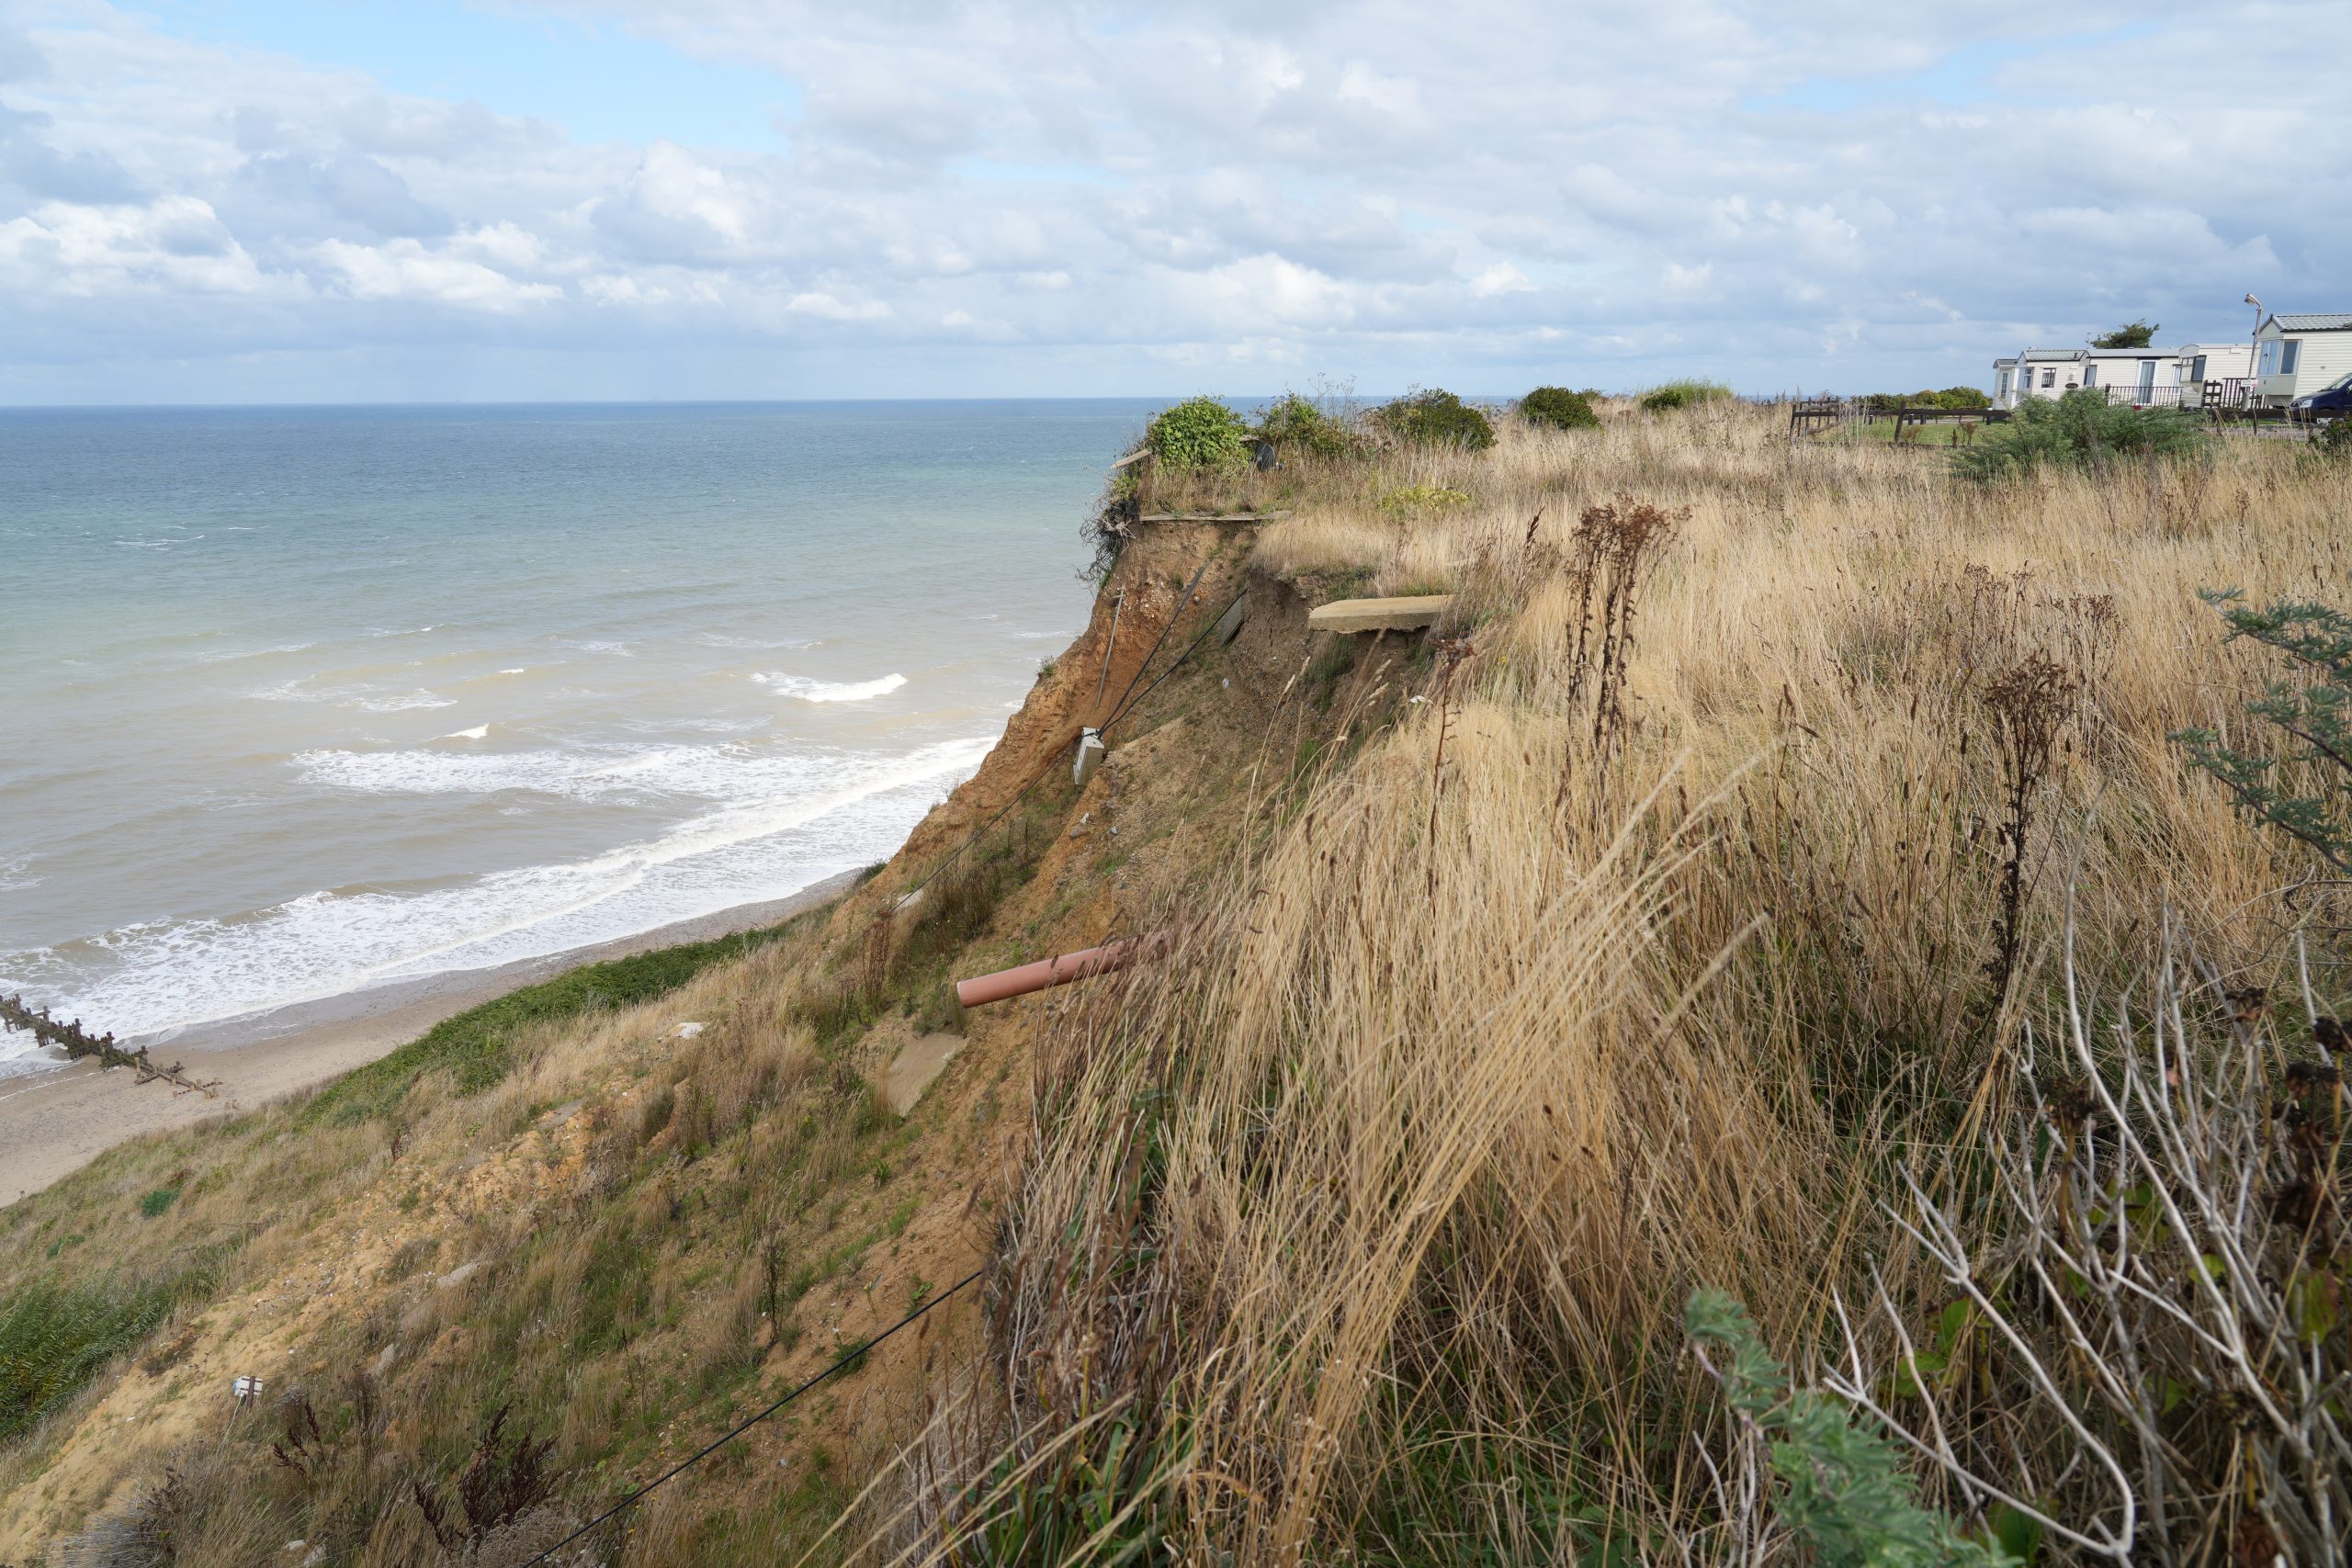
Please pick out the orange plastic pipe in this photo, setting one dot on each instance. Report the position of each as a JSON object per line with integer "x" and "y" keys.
{"x": 1006, "y": 983}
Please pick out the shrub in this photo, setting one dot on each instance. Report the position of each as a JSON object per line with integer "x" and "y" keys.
{"x": 2081, "y": 430}
{"x": 2332, "y": 442}
{"x": 1843, "y": 1491}
{"x": 1199, "y": 433}
{"x": 2315, "y": 710}
{"x": 1683, "y": 394}
{"x": 1962, "y": 397}
{"x": 1298, "y": 427}
{"x": 1436, "y": 417}
{"x": 1559, "y": 408}
{"x": 2143, "y": 1347}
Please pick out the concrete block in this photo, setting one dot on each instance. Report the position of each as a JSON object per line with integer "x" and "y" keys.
{"x": 1229, "y": 625}
{"x": 1090, "y": 752}
{"x": 1380, "y": 614}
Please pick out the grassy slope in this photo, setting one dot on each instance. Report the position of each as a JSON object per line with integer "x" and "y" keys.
{"x": 1367, "y": 1217}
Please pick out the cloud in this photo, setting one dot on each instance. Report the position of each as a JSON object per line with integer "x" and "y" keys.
{"x": 407, "y": 270}
{"x": 349, "y": 187}
{"x": 176, "y": 245}
{"x": 961, "y": 196}
{"x": 825, "y": 307}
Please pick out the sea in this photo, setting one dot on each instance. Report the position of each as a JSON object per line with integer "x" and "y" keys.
{"x": 297, "y": 702}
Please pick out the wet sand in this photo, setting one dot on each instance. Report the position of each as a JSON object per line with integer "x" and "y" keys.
{"x": 53, "y": 1122}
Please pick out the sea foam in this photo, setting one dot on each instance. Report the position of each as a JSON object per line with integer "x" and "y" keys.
{"x": 811, "y": 691}
{"x": 843, "y": 810}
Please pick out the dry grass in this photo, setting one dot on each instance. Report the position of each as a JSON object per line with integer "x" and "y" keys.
{"x": 1380, "y": 1205}
{"x": 1714, "y": 876}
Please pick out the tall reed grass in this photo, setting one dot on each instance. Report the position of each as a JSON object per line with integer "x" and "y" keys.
{"x": 1372, "y": 1215}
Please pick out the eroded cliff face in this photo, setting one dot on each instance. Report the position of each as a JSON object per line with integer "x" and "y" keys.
{"x": 642, "y": 1232}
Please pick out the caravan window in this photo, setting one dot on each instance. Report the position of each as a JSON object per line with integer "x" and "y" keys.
{"x": 2049, "y": 378}
{"x": 2267, "y": 363}
{"x": 2290, "y": 353}
{"x": 2197, "y": 369}
{"x": 2091, "y": 375}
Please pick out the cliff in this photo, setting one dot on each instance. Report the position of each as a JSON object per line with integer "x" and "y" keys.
{"x": 1635, "y": 930}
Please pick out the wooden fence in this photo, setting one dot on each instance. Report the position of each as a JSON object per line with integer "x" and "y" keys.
{"x": 77, "y": 1043}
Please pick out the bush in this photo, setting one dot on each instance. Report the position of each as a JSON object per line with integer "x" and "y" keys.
{"x": 1199, "y": 433}
{"x": 1297, "y": 426}
{"x": 1842, "y": 1490}
{"x": 2332, "y": 442}
{"x": 1683, "y": 394}
{"x": 1559, "y": 408}
{"x": 2310, "y": 798}
{"x": 2081, "y": 430}
{"x": 1950, "y": 398}
{"x": 1436, "y": 417}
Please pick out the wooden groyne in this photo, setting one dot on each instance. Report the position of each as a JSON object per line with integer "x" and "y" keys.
{"x": 78, "y": 1042}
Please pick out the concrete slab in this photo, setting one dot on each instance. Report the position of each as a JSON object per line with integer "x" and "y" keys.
{"x": 1228, "y": 626}
{"x": 1090, "y": 752}
{"x": 1380, "y": 614}
{"x": 918, "y": 1066}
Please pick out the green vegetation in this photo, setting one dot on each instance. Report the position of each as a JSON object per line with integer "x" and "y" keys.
{"x": 1683, "y": 394}
{"x": 1950, "y": 398}
{"x": 2306, "y": 790}
{"x": 1199, "y": 433}
{"x": 2081, "y": 430}
{"x": 1558, "y": 408}
{"x": 155, "y": 1202}
{"x": 1298, "y": 427}
{"x": 1843, "y": 1491}
{"x": 1436, "y": 417}
{"x": 54, "y": 1339}
{"x": 2332, "y": 442}
{"x": 1421, "y": 501}
{"x": 2132, "y": 334}
{"x": 476, "y": 1047}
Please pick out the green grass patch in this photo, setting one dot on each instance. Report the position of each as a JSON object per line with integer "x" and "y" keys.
{"x": 55, "y": 1339}
{"x": 476, "y": 1048}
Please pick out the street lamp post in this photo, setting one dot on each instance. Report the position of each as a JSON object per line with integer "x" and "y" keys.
{"x": 2254, "y": 356}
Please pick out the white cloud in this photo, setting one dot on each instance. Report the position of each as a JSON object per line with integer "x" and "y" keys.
{"x": 825, "y": 307}
{"x": 174, "y": 244}
{"x": 405, "y": 269}
{"x": 1486, "y": 194}
{"x": 1500, "y": 278}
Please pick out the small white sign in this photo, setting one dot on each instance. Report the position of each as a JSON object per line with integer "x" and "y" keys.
{"x": 248, "y": 1389}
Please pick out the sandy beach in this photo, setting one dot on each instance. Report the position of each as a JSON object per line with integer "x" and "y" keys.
{"x": 53, "y": 1122}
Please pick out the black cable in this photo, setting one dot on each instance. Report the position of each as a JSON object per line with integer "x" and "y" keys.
{"x": 640, "y": 1494}
{"x": 1126, "y": 708}
{"x": 1154, "y": 651}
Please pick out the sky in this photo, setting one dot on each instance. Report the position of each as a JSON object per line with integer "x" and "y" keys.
{"x": 425, "y": 200}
